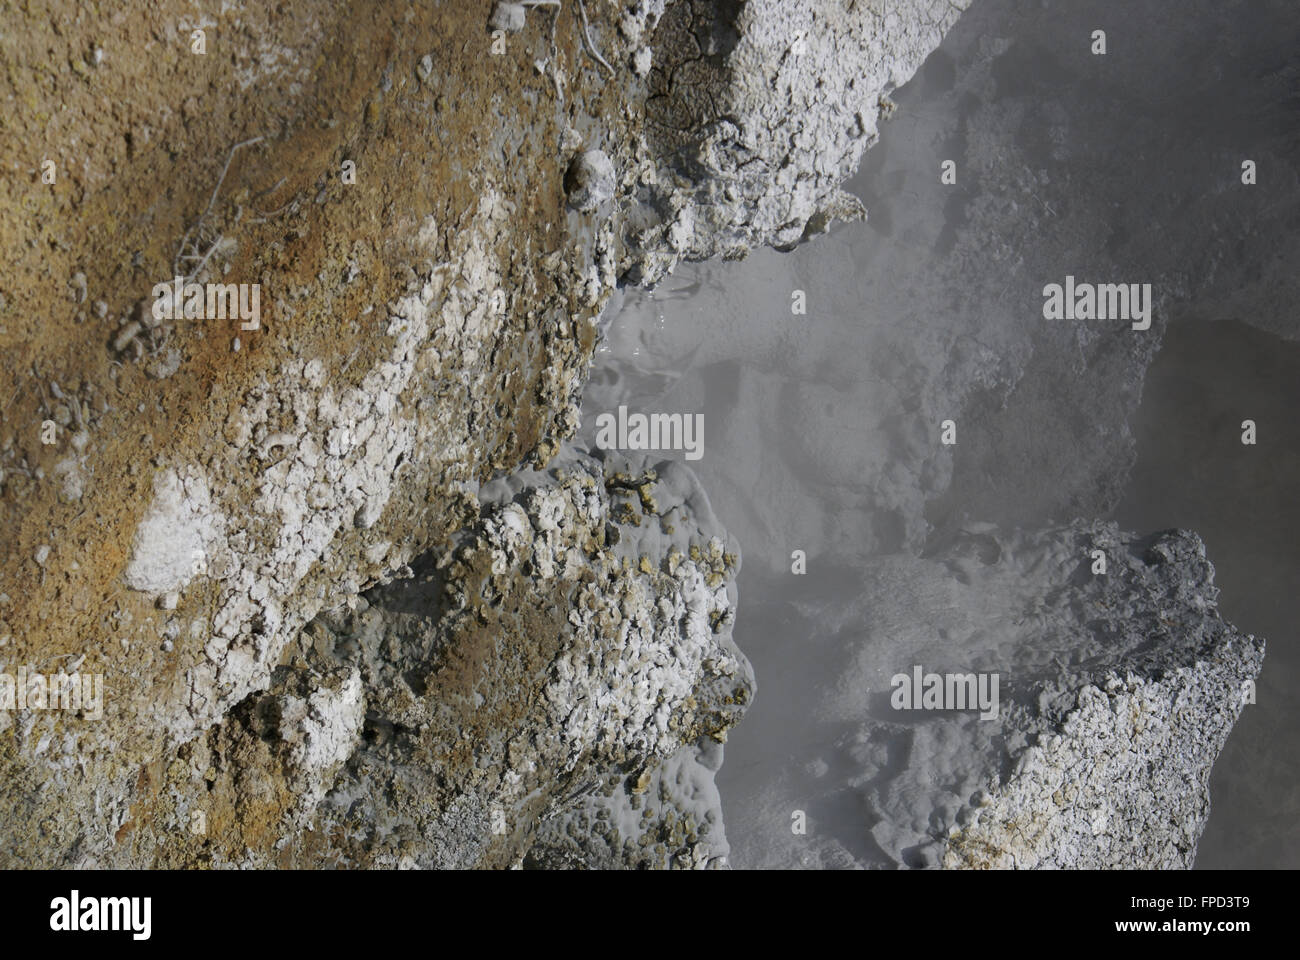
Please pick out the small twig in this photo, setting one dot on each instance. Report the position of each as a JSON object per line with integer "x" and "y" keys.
{"x": 13, "y": 398}
{"x": 264, "y": 217}
{"x": 1046, "y": 206}
{"x": 555, "y": 51}
{"x": 222, "y": 179}
{"x": 555, "y": 59}
{"x": 204, "y": 262}
{"x": 198, "y": 224}
{"x": 591, "y": 47}
{"x": 271, "y": 189}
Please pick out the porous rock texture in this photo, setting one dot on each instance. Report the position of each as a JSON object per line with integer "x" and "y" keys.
{"x": 1116, "y": 693}
{"x": 669, "y": 817}
{"x": 392, "y": 175}
{"x": 757, "y": 112}
{"x": 575, "y": 636}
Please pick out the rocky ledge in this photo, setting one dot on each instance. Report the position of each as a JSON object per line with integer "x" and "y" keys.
{"x": 353, "y": 599}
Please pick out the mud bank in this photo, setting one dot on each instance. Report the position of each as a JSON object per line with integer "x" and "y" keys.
{"x": 434, "y": 211}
